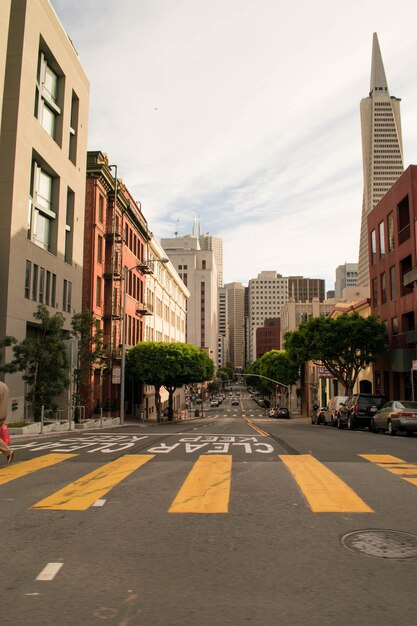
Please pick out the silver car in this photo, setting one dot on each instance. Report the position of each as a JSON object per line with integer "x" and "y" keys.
{"x": 396, "y": 416}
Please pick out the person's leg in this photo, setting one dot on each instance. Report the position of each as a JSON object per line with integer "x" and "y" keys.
{"x": 4, "y": 448}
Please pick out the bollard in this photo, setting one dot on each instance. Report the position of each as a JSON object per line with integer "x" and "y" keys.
{"x": 42, "y": 417}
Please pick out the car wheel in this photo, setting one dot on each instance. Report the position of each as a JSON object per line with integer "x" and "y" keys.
{"x": 339, "y": 423}
{"x": 373, "y": 427}
{"x": 409, "y": 433}
{"x": 391, "y": 430}
{"x": 351, "y": 422}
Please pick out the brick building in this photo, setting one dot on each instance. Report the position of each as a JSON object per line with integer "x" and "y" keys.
{"x": 115, "y": 238}
{"x": 268, "y": 336}
{"x": 392, "y": 256}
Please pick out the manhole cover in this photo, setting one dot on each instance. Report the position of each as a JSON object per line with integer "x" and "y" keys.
{"x": 384, "y": 544}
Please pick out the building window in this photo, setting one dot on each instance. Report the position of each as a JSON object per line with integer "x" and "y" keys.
{"x": 47, "y": 109}
{"x": 405, "y": 266}
{"x": 41, "y": 285}
{"x": 403, "y": 220}
{"x": 375, "y": 292}
{"x": 48, "y": 289}
{"x": 69, "y": 226}
{"x": 28, "y": 275}
{"x": 373, "y": 247}
{"x": 75, "y": 105}
{"x": 393, "y": 282}
{"x": 203, "y": 264}
{"x": 41, "y": 217}
{"x": 394, "y": 324}
{"x": 98, "y": 291}
{"x": 391, "y": 241}
{"x": 383, "y": 288}
{"x": 35, "y": 282}
{"x": 100, "y": 208}
{"x": 99, "y": 249}
{"x": 54, "y": 303}
{"x": 66, "y": 296}
{"x": 381, "y": 240}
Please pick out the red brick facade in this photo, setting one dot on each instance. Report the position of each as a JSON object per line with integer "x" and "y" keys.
{"x": 115, "y": 238}
{"x": 392, "y": 254}
{"x": 268, "y": 336}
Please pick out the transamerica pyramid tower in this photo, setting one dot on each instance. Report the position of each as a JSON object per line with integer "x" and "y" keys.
{"x": 382, "y": 149}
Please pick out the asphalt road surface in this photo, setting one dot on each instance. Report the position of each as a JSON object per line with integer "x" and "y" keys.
{"x": 232, "y": 519}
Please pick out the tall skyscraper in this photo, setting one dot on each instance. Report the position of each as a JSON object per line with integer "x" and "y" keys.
{"x": 210, "y": 242}
{"x": 198, "y": 270}
{"x": 236, "y": 317}
{"x": 346, "y": 276}
{"x": 382, "y": 150}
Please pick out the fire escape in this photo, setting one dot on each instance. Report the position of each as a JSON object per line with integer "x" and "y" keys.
{"x": 113, "y": 273}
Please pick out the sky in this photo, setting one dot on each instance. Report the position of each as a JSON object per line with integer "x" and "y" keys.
{"x": 244, "y": 115}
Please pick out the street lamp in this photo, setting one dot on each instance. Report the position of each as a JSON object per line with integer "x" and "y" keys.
{"x": 126, "y": 271}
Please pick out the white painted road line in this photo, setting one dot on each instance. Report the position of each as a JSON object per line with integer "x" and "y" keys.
{"x": 49, "y": 571}
{"x": 100, "y": 502}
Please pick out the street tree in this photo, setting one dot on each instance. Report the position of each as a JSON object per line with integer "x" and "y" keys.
{"x": 277, "y": 366}
{"x": 92, "y": 355}
{"x": 343, "y": 345}
{"x": 169, "y": 365}
{"x": 42, "y": 358}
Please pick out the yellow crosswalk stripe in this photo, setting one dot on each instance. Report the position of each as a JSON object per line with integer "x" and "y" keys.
{"x": 207, "y": 487}
{"x": 394, "y": 465}
{"x": 81, "y": 494}
{"x": 17, "y": 470}
{"x": 325, "y": 492}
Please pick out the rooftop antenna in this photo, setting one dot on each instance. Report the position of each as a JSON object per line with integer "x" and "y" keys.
{"x": 176, "y": 227}
{"x": 199, "y": 227}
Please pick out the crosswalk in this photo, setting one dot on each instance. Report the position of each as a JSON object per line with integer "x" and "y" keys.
{"x": 206, "y": 489}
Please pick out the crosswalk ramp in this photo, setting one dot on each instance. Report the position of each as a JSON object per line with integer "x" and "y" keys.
{"x": 206, "y": 489}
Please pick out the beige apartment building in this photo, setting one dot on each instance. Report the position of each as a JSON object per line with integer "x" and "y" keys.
{"x": 165, "y": 310}
{"x": 43, "y": 143}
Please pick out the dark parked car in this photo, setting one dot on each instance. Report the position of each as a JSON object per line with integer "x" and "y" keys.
{"x": 235, "y": 402}
{"x": 280, "y": 412}
{"x": 396, "y": 416}
{"x": 359, "y": 409}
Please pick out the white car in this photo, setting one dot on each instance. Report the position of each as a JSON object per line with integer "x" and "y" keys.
{"x": 214, "y": 402}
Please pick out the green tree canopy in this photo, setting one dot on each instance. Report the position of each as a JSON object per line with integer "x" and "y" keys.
{"x": 343, "y": 345}
{"x": 43, "y": 359}
{"x": 169, "y": 365}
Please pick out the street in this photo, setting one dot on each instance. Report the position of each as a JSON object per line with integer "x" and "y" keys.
{"x": 232, "y": 519}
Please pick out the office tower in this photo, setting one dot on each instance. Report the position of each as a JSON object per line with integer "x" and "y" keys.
{"x": 382, "y": 151}
{"x": 305, "y": 289}
{"x": 198, "y": 270}
{"x": 43, "y": 145}
{"x": 346, "y": 276}
{"x": 236, "y": 316}
{"x": 209, "y": 242}
{"x": 267, "y": 295}
{"x": 223, "y": 345}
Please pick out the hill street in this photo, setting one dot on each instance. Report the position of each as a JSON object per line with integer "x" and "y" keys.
{"x": 231, "y": 519}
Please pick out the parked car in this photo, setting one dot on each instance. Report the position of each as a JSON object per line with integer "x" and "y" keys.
{"x": 235, "y": 401}
{"x": 214, "y": 402}
{"x": 280, "y": 412}
{"x": 332, "y": 411}
{"x": 318, "y": 416}
{"x": 396, "y": 416}
{"x": 358, "y": 409}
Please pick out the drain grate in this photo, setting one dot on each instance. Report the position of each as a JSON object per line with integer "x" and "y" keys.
{"x": 383, "y": 544}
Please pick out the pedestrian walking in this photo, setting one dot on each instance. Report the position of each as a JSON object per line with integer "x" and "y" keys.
{"x": 4, "y": 431}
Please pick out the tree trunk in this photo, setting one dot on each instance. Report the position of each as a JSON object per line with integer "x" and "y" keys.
{"x": 158, "y": 403}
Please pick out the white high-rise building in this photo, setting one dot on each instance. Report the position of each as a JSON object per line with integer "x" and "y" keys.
{"x": 268, "y": 293}
{"x": 346, "y": 276}
{"x": 198, "y": 270}
{"x": 382, "y": 150}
